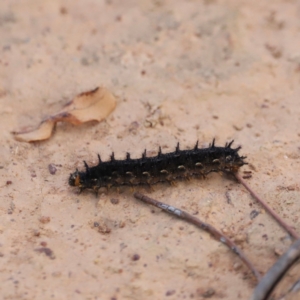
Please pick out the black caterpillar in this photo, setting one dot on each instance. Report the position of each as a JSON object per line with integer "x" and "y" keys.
{"x": 180, "y": 164}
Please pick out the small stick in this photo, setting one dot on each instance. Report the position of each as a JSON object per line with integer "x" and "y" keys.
{"x": 276, "y": 272}
{"x": 281, "y": 222}
{"x": 210, "y": 229}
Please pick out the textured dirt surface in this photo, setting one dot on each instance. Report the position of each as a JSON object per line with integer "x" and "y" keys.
{"x": 181, "y": 71}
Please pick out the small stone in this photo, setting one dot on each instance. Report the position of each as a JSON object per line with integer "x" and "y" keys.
{"x": 278, "y": 251}
{"x": 46, "y": 251}
{"x": 209, "y": 293}
{"x": 254, "y": 213}
{"x": 135, "y": 257}
{"x": 170, "y": 292}
{"x": 240, "y": 238}
{"x": 122, "y": 224}
{"x": 36, "y": 232}
{"x": 52, "y": 169}
{"x": 237, "y": 266}
{"x": 44, "y": 219}
{"x": 114, "y": 201}
{"x": 104, "y": 229}
{"x": 56, "y": 274}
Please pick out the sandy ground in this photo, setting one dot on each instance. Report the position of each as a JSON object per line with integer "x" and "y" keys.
{"x": 181, "y": 71}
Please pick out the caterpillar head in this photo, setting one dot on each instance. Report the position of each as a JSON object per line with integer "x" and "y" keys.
{"x": 74, "y": 179}
{"x": 231, "y": 161}
{"x": 226, "y": 159}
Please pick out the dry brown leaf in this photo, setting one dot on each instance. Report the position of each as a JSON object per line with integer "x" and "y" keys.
{"x": 93, "y": 105}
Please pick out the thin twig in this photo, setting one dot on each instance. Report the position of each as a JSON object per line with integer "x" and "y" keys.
{"x": 282, "y": 223}
{"x": 276, "y": 272}
{"x": 210, "y": 229}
